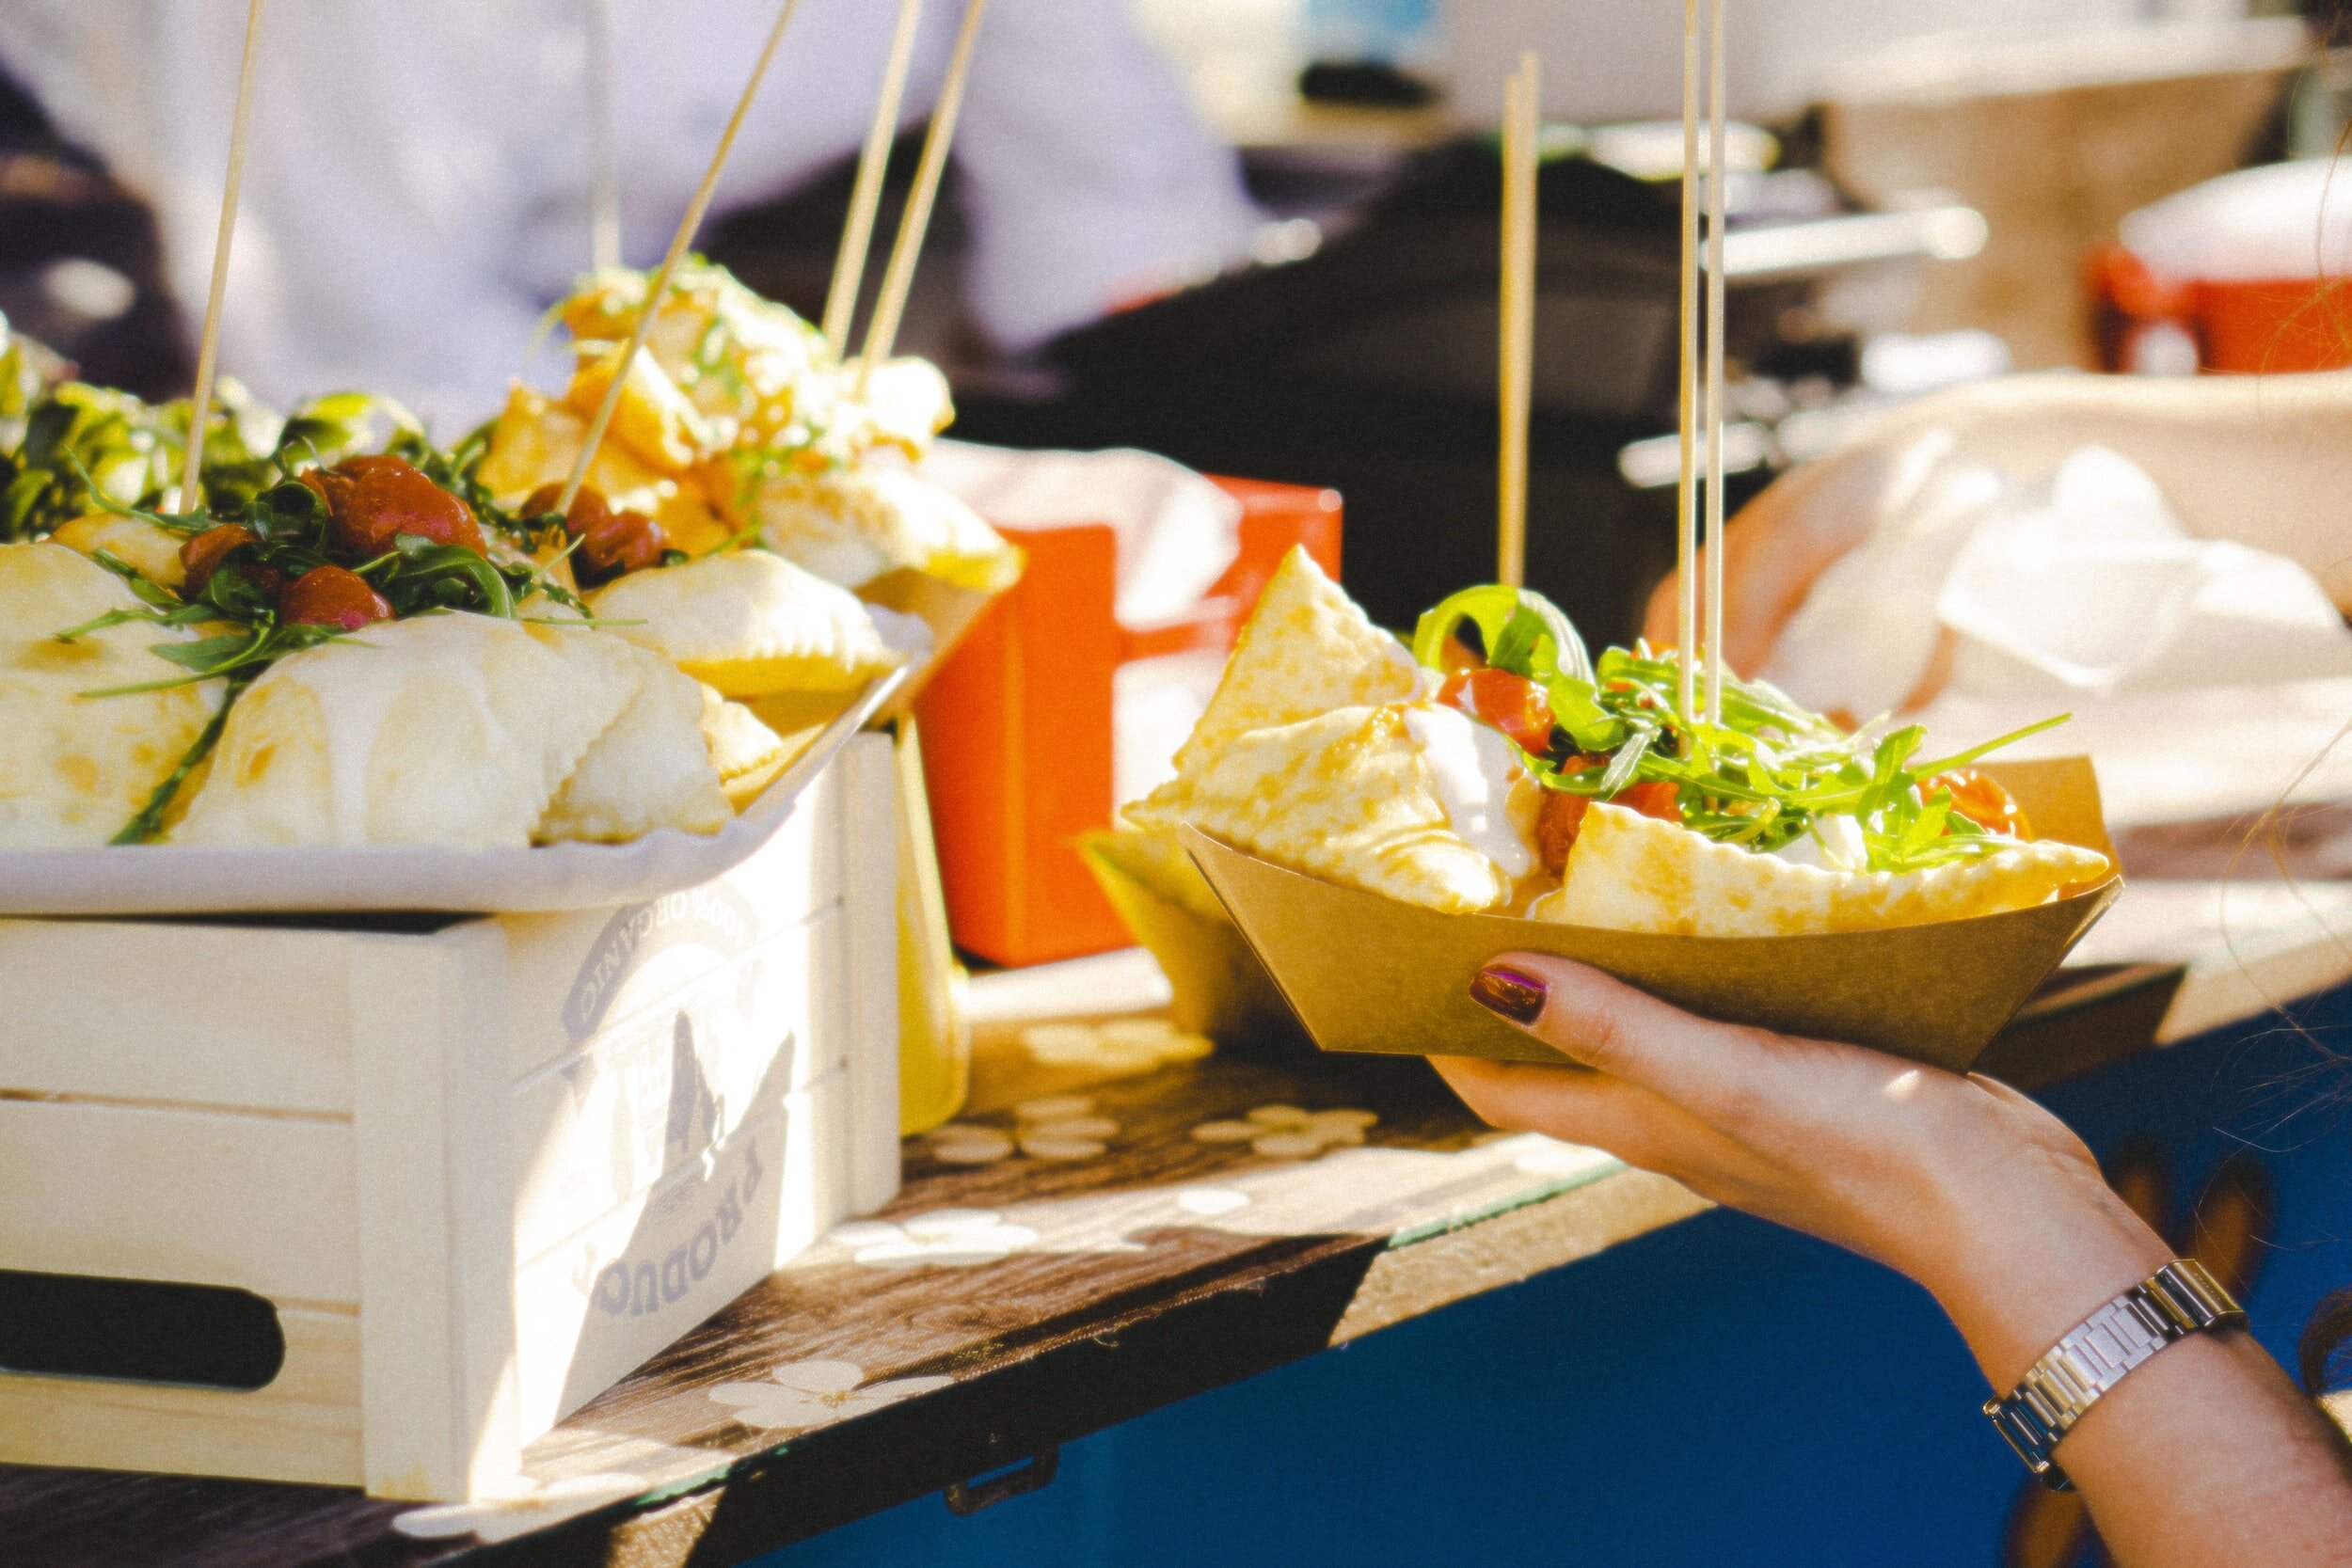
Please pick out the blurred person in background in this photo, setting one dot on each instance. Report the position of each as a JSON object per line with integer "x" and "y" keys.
{"x": 421, "y": 176}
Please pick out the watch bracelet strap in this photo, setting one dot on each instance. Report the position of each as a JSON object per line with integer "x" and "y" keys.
{"x": 2180, "y": 1299}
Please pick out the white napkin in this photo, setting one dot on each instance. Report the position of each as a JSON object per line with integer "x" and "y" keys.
{"x": 2202, "y": 673}
{"x": 1176, "y": 533}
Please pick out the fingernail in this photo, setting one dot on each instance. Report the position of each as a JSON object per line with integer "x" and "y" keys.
{"x": 1511, "y": 992}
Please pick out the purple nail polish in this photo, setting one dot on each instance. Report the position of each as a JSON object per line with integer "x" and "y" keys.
{"x": 1514, "y": 993}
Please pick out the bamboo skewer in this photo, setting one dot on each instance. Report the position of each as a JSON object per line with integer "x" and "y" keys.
{"x": 1521, "y": 119}
{"x": 659, "y": 289}
{"x": 1686, "y": 493}
{"x": 857, "y": 235}
{"x": 208, "y": 350}
{"x": 883, "y": 331}
{"x": 604, "y": 191}
{"x": 1718, "y": 181}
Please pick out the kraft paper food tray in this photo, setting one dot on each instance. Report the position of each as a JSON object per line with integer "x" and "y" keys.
{"x": 1217, "y": 985}
{"x": 163, "y": 878}
{"x": 1369, "y": 973}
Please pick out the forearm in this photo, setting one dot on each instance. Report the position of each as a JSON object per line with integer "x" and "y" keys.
{"x": 2204, "y": 1455}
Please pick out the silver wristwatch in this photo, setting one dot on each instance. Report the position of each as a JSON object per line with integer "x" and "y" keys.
{"x": 2178, "y": 1300}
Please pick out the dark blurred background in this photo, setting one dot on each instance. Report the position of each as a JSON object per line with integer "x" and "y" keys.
{"x": 1885, "y": 242}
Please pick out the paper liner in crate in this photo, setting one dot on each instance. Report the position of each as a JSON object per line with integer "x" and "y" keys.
{"x": 164, "y": 878}
{"x": 1370, "y": 974}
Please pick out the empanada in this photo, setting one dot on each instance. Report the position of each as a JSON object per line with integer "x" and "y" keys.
{"x": 74, "y": 770}
{"x": 1346, "y": 796}
{"x": 1633, "y": 873}
{"x": 1305, "y": 649}
{"x": 455, "y": 730}
{"x": 750, "y": 623}
{"x": 850, "y": 526}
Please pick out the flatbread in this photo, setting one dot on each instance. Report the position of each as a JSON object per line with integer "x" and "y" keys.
{"x": 76, "y": 769}
{"x": 455, "y": 730}
{"x": 1344, "y": 795}
{"x": 150, "y": 551}
{"x": 750, "y": 623}
{"x": 1628, "y": 872}
{"x": 1305, "y": 649}
{"x": 850, "y": 526}
{"x": 650, "y": 769}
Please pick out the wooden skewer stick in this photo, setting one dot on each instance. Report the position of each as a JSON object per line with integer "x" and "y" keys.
{"x": 1718, "y": 179}
{"x": 208, "y": 351}
{"x": 1521, "y": 119}
{"x": 1686, "y": 493}
{"x": 604, "y": 193}
{"x": 883, "y": 331}
{"x": 659, "y": 289}
{"x": 857, "y": 235}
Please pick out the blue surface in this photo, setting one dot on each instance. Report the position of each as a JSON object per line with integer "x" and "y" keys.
{"x": 1666, "y": 1402}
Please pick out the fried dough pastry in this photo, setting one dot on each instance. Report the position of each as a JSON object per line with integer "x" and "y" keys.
{"x": 749, "y": 622}
{"x": 1306, "y": 650}
{"x": 650, "y": 769}
{"x": 1345, "y": 796}
{"x": 850, "y": 526}
{"x": 452, "y": 730}
{"x": 150, "y": 551}
{"x": 746, "y": 752}
{"x": 535, "y": 442}
{"x": 1633, "y": 873}
{"x": 74, "y": 770}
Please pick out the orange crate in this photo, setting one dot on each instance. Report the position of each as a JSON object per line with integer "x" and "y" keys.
{"x": 1017, "y": 733}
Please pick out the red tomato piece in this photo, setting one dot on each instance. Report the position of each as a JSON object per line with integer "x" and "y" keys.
{"x": 203, "y": 553}
{"x": 1511, "y": 703}
{"x": 611, "y": 543}
{"x": 1556, "y": 826}
{"x": 373, "y": 499}
{"x": 1980, "y": 800}
{"x": 1652, "y": 797}
{"x": 331, "y": 596}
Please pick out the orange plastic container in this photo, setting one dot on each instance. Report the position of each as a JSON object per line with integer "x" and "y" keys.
{"x": 2257, "y": 326}
{"x": 1017, "y": 734}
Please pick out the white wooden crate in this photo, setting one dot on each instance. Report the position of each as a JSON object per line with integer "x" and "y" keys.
{"x": 480, "y": 1167}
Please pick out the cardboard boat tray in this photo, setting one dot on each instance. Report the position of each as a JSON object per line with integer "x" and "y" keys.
{"x": 168, "y": 880}
{"x": 1368, "y": 973}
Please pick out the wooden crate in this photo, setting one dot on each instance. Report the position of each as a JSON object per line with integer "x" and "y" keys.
{"x": 479, "y": 1167}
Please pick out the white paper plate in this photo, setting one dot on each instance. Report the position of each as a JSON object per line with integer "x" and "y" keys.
{"x": 163, "y": 878}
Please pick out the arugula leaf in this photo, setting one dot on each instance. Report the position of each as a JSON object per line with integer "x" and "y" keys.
{"x": 150, "y": 820}
{"x": 1761, "y": 778}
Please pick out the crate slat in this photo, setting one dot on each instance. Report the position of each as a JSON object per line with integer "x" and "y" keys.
{"x": 574, "y": 973}
{"x": 304, "y": 1427}
{"x": 250, "y": 1031}
{"x": 647, "y": 1096}
{"x": 135, "y": 1192}
{"x": 599, "y": 1302}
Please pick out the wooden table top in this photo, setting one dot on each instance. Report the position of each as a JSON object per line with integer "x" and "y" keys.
{"x": 995, "y": 1311}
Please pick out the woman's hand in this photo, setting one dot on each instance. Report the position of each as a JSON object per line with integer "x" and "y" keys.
{"x": 2204, "y": 1457}
{"x": 1962, "y": 1183}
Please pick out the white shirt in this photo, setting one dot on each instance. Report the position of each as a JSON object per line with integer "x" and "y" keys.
{"x": 417, "y": 187}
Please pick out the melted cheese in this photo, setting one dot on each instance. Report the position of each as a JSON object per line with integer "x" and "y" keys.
{"x": 1473, "y": 769}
